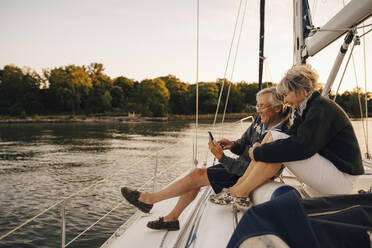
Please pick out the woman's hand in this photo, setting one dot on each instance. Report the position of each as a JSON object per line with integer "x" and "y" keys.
{"x": 215, "y": 148}
{"x": 251, "y": 155}
{"x": 226, "y": 144}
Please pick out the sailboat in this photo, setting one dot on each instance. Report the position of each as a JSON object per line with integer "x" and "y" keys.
{"x": 207, "y": 225}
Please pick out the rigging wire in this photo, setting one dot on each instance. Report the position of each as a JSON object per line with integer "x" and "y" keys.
{"x": 225, "y": 73}
{"x": 227, "y": 63}
{"x": 343, "y": 73}
{"x": 365, "y": 127}
{"x": 233, "y": 67}
{"x": 55, "y": 204}
{"x": 359, "y": 101}
{"x": 265, "y": 76}
{"x": 364, "y": 33}
{"x": 267, "y": 72}
{"x": 121, "y": 202}
{"x": 351, "y": 56}
{"x": 365, "y": 89}
{"x": 197, "y": 89}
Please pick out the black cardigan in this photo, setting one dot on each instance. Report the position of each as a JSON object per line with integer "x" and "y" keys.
{"x": 323, "y": 128}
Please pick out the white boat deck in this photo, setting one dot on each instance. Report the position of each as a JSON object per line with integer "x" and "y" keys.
{"x": 216, "y": 227}
{"x": 213, "y": 229}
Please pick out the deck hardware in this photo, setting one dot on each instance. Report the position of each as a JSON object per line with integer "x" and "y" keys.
{"x": 235, "y": 216}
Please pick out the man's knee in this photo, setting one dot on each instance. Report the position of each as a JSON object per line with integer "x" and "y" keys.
{"x": 199, "y": 172}
{"x": 199, "y": 175}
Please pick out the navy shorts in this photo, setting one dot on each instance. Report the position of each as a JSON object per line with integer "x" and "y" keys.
{"x": 220, "y": 178}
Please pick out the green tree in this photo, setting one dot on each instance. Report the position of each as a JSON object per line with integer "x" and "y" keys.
{"x": 208, "y": 98}
{"x": 128, "y": 92}
{"x": 154, "y": 97}
{"x": 236, "y": 102}
{"x": 69, "y": 86}
{"x": 117, "y": 97}
{"x": 177, "y": 94}
{"x": 350, "y": 103}
{"x": 19, "y": 91}
{"x": 99, "y": 96}
{"x": 249, "y": 91}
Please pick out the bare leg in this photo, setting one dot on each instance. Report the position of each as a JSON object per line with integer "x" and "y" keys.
{"x": 260, "y": 173}
{"x": 195, "y": 180}
{"x": 182, "y": 203}
{"x": 256, "y": 174}
{"x": 245, "y": 175}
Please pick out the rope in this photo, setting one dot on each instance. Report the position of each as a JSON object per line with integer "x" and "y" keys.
{"x": 359, "y": 101}
{"x": 233, "y": 67}
{"x": 81, "y": 191}
{"x": 357, "y": 85}
{"x": 227, "y": 63}
{"x": 343, "y": 73}
{"x": 95, "y": 223}
{"x": 365, "y": 89}
{"x": 365, "y": 33}
{"x": 118, "y": 205}
{"x": 31, "y": 219}
{"x": 225, "y": 73}
{"x": 197, "y": 88}
{"x": 109, "y": 212}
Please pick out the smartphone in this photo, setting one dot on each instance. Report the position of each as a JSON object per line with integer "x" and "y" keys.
{"x": 210, "y": 135}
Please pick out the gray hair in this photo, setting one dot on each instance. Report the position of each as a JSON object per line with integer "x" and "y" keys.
{"x": 275, "y": 98}
{"x": 297, "y": 78}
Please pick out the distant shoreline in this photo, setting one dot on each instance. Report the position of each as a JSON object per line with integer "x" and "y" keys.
{"x": 124, "y": 119}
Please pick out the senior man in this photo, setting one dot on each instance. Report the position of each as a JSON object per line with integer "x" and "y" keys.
{"x": 272, "y": 115}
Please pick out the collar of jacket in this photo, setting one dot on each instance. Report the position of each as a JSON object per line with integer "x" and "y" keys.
{"x": 315, "y": 94}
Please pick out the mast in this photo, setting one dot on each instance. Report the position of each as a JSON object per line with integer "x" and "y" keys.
{"x": 302, "y": 24}
{"x": 262, "y": 37}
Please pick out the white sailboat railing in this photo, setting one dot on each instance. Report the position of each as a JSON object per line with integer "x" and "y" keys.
{"x": 62, "y": 202}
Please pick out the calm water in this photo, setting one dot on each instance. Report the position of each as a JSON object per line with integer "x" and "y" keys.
{"x": 42, "y": 163}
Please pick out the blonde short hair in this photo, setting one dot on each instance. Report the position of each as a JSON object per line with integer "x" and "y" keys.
{"x": 297, "y": 78}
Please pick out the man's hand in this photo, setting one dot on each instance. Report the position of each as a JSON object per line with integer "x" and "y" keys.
{"x": 251, "y": 155}
{"x": 226, "y": 144}
{"x": 215, "y": 148}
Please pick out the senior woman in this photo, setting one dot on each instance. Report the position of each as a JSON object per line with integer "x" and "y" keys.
{"x": 320, "y": 148}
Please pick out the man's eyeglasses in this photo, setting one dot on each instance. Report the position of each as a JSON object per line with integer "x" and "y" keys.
{"x": 262, "y": 107}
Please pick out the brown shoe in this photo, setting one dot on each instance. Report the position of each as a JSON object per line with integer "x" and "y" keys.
{"x": 132, "y": 197}
{"x": 160, "y": 224}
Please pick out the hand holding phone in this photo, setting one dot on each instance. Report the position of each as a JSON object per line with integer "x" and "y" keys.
{"x": 210, "y": 135}
{"x": 226, "y": 144}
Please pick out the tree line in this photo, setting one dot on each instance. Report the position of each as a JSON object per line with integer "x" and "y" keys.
{"x": 88, "y": 90}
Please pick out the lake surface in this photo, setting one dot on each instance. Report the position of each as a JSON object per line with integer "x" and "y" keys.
{"x": 43, "y": 163}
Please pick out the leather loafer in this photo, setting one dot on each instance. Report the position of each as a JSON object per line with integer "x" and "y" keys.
{"x": 160, "y": 224}
{"x": 132, "y": 197}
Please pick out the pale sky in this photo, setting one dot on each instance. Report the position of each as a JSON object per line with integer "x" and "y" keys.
{"x": 146, "y": 39}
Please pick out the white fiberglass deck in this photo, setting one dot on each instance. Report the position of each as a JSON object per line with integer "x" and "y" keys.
{"x": 216, "y": 225}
